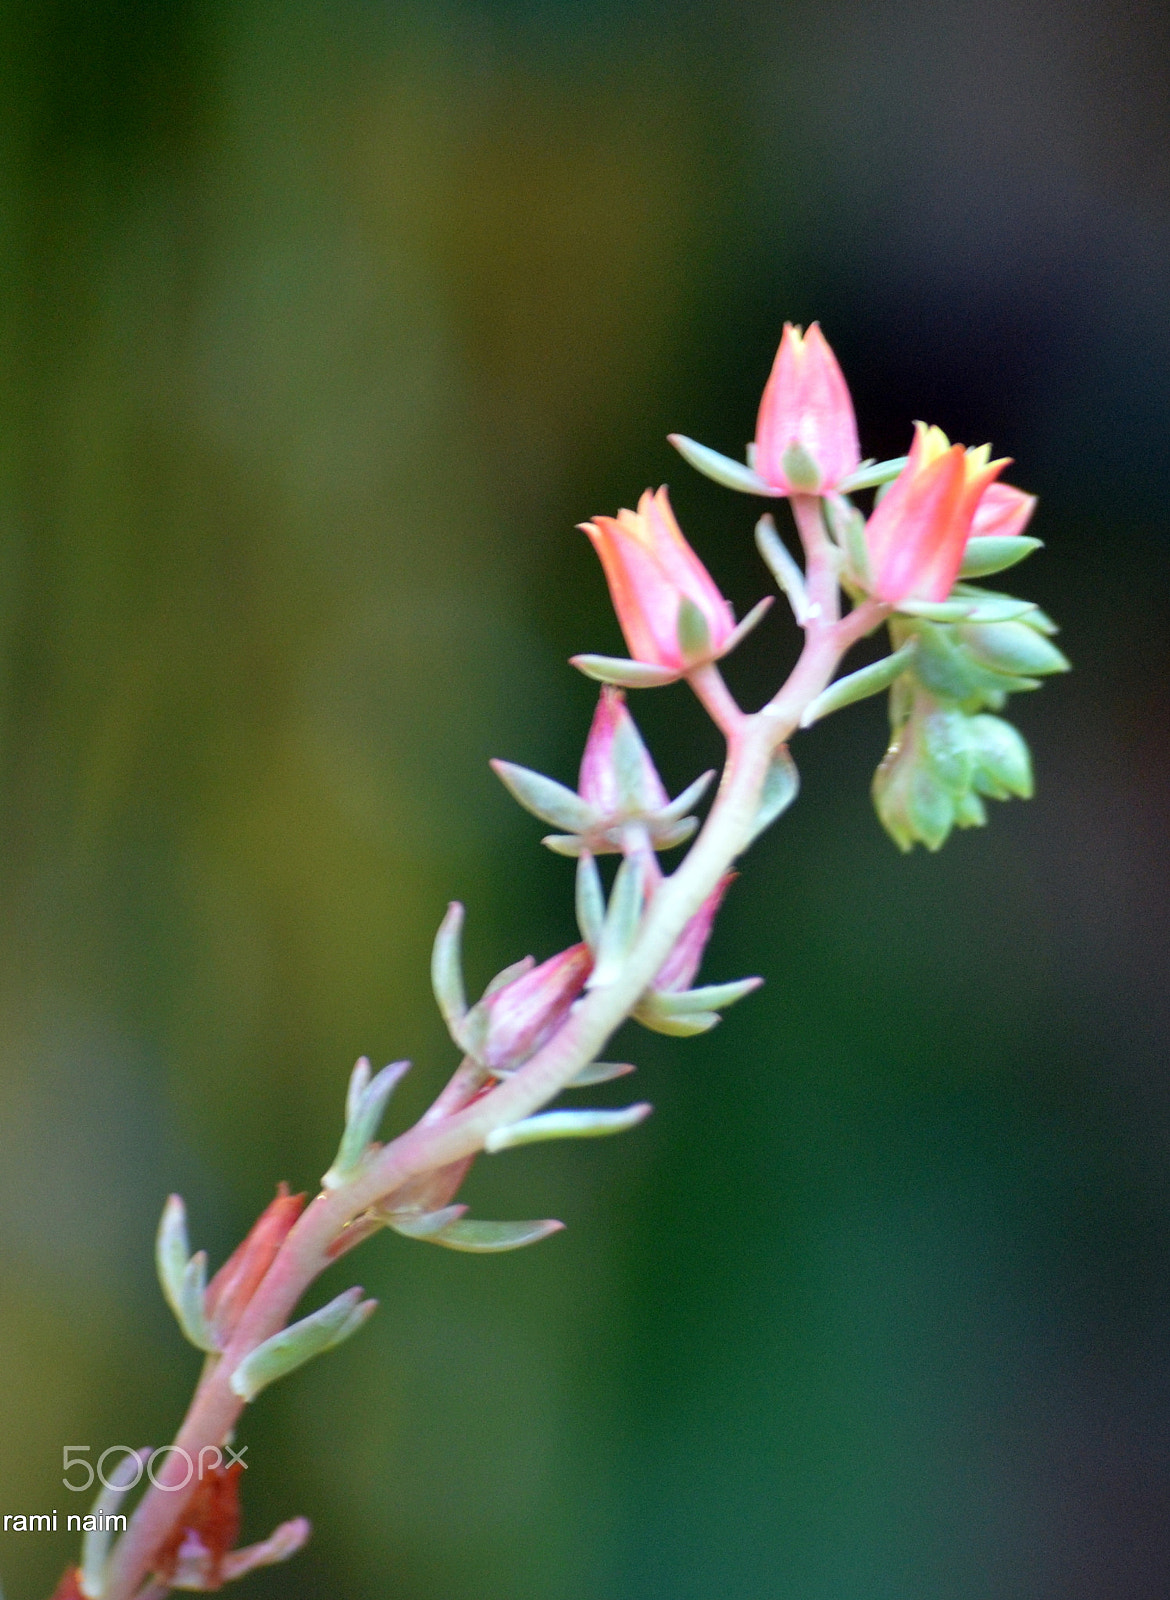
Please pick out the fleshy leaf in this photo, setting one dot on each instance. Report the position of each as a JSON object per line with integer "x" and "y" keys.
{"x": 992, "y": 553}
{"x": 757, "y": 614}
{"x": 783, "y": 567}
{"x": 424, "y": 1224}
{"x": 550, "y": 801}
{"x": 859, "y": 685}
{"x": 690, "y": 796}
{"x": 590, "y": 900}
{"x": 483, "y": 1238}
{"x": 872, "y": 474}
{"x": 566, "y": 1125}
{"x": 447, "y": 967}
{"x": 599, "y": 1072}
{"x": 659, "y": 1018}
{"x": 694, "y": 636}
{"x": 626, "y": 674}
{"x": 781, "y": 786}
{"x": 292, "y": 1347}
{"x": 623, "y": 918}
{"x": 721, "y": 469}
{"x": 967, "y": 608}
{"x": 183, "y": 1277}
{"x": 365, "y": 1104}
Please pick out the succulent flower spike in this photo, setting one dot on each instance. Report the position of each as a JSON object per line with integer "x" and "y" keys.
{"x": 670, "y": 1005}
{"x": 618, "y": 785}
{"x": 672, "y": 615}
{"x": 918, "y": 532}
{"x": 806, "y": 433}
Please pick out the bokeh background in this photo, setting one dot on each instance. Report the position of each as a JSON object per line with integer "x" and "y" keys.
{"x": 323, "y": 322}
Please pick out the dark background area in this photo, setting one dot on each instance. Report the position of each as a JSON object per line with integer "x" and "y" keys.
{"x": 322, "y": 324}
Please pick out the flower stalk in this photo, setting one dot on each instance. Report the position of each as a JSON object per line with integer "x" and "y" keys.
{"x": 539, "y": 1030}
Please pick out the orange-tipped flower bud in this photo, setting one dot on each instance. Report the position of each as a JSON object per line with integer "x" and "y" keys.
{"x": 806, "y": 433}
{"x": 919, "y": 529}
{"x": 237, "y": 1280}
{"x": 666, "y": 601}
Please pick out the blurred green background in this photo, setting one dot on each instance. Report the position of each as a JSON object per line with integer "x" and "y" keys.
{"x": 322, "y": 322}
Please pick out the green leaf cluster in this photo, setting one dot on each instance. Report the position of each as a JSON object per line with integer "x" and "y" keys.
{"x": 948, "y": 752}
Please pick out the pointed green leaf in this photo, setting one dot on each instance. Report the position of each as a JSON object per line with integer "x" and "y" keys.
{"x": 483, "y": 1238}
{"x": 626, "y": 674}
{"x": 1002, "y": 759}
{"x": 423, "y": 1224}
{"x": 310, "y": 1337}
{"x": 781, "y": 786}
{"x": 682, "y": 803}
{"x": 694, "y": 636}
{"x": 447, "y": 967}
{"x": 871, "y": 474}
{"x": 564, "y": 844}
{"x": 859, "y": 685}
{"x": 783, "y": 567}
{"x": 545, "y": 798}
{"x": 722, "y": 469}
{"x": 183, "y": 1277}
{"x": 366, "y": 1102}
{"x": 190, "y": 1312}
{"x": 848, "y": 529}
{"x": 946, "y": 747}
{"x": 623, "y": 918}
{"x": 629, "y": 759}
{"x": 1012, "y": 647}
{"x": 359, "y": 1082}
{"x": 996, "y": 553}
{"x": 970, "y": 812}
{"x": 172, "y": 1250}
{"x": 708, "y": 997}
{"x": 757, "y": 613}
{"x": 800, "y": 469}
{"x": 667, "y": 838}
{"x": 590, "y": 900}
{"x": 944, "y": 669}
{"x": 652, "y": 1014}
{"x": 967, "y": 608}
{"x": 509, "y": 975}
{"x": 599, "y": 1072}
{"x": 566, "y": 1125}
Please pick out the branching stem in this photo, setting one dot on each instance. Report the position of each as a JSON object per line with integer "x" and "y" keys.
{"x": 460, "y": 1119}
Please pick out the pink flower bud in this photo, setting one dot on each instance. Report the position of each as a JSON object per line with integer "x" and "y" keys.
{"x": 919, "y": 529}
{"x": 1002, "y": 511}
{"x": 806, "y": 433}
{"x": 617, "y": 774}
{"x": 681, "y": 965}
{"x": 669, "y": 609}
{"x": 237, "y": 1280}
{"x": 519, "y": 1018}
